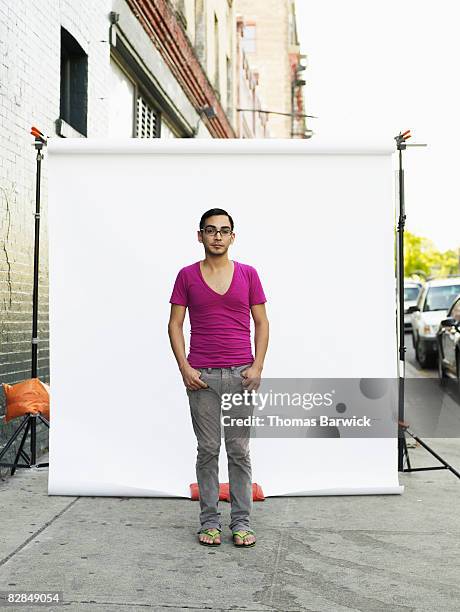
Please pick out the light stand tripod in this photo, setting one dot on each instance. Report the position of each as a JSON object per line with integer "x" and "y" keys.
{"x": 29, "y": 422}
{"x": 403, "y": 426}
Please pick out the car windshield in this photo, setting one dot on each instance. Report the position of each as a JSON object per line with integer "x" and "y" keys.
{"x": 440, "y": 298}
{"x": 411, "y": 294}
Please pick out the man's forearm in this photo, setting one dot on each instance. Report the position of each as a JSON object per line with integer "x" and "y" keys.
{"x": 176, "y": 337}
{"x": 261, "y": 334}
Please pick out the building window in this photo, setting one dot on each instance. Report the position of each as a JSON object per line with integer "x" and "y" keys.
{"x": 131, "y": 114}
{"x": 147, "y": 120}
{"x": 74, "y": 83}
{"x": 137, "y": 107}
{"x": 249, "y": 38}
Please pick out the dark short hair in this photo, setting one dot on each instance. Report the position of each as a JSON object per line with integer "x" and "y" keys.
{"x": 215, "y": 211}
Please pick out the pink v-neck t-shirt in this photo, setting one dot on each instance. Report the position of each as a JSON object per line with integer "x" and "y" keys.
{"x": 220, "y": 324}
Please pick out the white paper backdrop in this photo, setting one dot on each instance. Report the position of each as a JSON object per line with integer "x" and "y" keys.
{"x": 316, "y": 222}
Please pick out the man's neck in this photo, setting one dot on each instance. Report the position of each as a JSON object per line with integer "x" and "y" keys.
{"x": 216, "y": 263}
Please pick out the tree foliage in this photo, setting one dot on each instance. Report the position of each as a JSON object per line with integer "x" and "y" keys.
{"x": 422, "y": 259}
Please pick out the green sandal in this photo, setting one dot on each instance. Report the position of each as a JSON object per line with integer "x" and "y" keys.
{"x": 210, "y": 533}
{"x": 243, "y": 534}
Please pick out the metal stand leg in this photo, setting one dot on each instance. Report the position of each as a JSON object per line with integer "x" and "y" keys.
{"x": 444, "y": 466}
{"x": 29, "y": 423}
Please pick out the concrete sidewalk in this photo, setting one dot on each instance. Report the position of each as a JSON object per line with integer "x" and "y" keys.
{"x": 330, "y": 554}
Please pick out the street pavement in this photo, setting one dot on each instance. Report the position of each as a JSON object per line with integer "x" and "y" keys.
{"x": 332, "y": 553}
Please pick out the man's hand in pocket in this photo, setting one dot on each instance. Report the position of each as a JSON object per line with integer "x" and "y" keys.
{"x": 251, "y": 378}
{"x": 191, "y": 378}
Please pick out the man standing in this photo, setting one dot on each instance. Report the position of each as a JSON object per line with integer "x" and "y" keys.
{"x": 220, "y": 295}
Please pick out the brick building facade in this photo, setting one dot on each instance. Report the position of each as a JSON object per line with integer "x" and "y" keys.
{"x": 30, "y": 35}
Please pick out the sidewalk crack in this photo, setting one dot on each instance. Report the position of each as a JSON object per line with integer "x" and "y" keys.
{"x": 36, "y": 533}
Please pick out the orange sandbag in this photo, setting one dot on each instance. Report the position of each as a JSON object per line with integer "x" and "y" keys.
{"x": 30, "y": 396}
{"x": 224, "y": 492}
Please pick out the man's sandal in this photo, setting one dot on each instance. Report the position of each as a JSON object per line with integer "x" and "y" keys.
{"x": 210, "y": 532}
{"x": 243, "y": 534}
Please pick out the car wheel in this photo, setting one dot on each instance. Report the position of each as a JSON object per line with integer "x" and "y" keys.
{"x": 413, "y": 340}
{"x": 421, "y": 354}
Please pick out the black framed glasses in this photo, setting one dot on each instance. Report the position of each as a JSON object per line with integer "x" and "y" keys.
{"x": 211, "y": 230}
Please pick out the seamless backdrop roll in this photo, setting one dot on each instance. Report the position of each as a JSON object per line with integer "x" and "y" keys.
{"x": 318, "y": 225}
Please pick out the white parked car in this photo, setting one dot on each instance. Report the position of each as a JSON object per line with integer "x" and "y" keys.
{"x": 411, "y": 292}
{"x": 433, "y": 302}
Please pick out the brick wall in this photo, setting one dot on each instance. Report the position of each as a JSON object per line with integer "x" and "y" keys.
{"x": 29, "y": 95}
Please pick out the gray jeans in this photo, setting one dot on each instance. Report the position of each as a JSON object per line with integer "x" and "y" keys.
{"x": 206, "y": 412}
